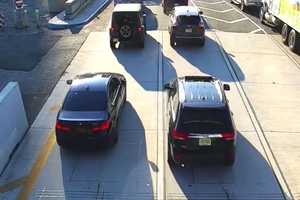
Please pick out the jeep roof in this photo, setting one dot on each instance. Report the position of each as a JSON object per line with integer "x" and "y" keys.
{"x": 186, "y": 11}
{"x": 201, "y": 91}
{"x": 128, "y": 7}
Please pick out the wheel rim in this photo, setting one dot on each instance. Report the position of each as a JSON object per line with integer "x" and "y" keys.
{"x": 125, "y": 31}
{"x": 284, "y": 32}
{"x": 261, "y": 14}
{"x": 292, "y": 38}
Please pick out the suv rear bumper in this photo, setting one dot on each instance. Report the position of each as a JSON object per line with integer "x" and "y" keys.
{"x": 137, "y": 37}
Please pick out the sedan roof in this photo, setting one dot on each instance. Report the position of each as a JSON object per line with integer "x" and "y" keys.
{"x": 186, "y": 11}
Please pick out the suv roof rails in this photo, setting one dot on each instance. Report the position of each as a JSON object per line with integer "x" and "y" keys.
{"x": 200, "y": 78}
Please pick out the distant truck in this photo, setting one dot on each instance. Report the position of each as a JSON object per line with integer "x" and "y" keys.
{"x": 286, "y": 15}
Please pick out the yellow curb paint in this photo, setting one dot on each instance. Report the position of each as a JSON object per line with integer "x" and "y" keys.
{"x": 12, "y": 185}
{"x": 37, "y": 167}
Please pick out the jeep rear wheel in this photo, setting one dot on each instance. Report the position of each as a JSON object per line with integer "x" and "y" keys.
{"x": 112, "y": 44}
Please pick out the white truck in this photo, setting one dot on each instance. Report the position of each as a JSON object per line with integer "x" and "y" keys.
{"x": 286, "y": 15}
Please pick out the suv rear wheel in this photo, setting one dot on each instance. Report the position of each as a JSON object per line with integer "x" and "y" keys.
{"x": 172, "y": 40}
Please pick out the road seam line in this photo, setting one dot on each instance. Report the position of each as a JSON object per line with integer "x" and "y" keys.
{"x": 271, "y": 159}
{"x": 218, "y": 11}
{"x": 160, "y": 128}
{"x": 37, "y": 167}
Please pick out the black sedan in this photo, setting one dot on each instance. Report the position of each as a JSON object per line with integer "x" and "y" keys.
{"x": 91, "y": 109}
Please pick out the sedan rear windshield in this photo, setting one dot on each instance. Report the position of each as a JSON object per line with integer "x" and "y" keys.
{"x": 85, "y": 101}
{"x": 205, "y": 120}
{"x": 188, "y": 20}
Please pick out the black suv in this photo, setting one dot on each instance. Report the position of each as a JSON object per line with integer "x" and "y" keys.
{"x": 186, "y": 24}
{"x": 200, "y": 121}
{"x": 128, "y": 24}
{"x": 91, "y": 109}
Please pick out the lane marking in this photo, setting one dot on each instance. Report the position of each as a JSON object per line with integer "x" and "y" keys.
{"x": 161, "y": 195}
{"x": 271, "y": 159}
{"x": 225, "y": 21}
{"x": 255, "y": 31}
{"x": 37, "y": 167}
{"x": 13, "y": 184}
{"x": 211, "y": 3}
{"x": 217, "y": 11}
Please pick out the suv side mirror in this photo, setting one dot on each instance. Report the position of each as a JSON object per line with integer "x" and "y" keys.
{"x": 200, "y": 12}
{"x": 144, "y": 14}
{"x": 226, "y": 87}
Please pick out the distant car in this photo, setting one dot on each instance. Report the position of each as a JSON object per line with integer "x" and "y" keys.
{"x": 247, "y": 3}
{"x": 91, "y": 109}
{"x": 200, "y": 121}
{"x": 169, "y": 5}
{"x": 128, "y": 24}
{"x": 186, "y": 24}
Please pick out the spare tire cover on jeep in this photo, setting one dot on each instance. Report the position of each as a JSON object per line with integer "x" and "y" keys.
{"x": 125, "y": 31}
{"x": 127, "y": 23}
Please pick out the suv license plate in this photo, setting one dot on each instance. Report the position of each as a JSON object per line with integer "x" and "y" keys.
{"x": 204, "y": 142}
{"x": 188, "y": 30}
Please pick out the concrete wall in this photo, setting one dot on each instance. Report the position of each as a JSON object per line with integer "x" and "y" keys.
{"x": 13, "y": 121}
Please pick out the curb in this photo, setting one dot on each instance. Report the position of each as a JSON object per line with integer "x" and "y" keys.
{"x": 56, "y": 23}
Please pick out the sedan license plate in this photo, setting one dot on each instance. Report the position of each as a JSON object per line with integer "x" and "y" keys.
{"x": 188, "y": 30}
{"x": 204, "y": 142}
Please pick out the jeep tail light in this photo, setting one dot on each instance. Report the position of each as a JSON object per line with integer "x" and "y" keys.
{"x": 140, "y": 29}
{"x": 228, "y": 136}
{"x": 62, "y": 127}
{"x": 104, "y": 126}
{"x": 179, "y": 135}
{"x": 113, "y": 27}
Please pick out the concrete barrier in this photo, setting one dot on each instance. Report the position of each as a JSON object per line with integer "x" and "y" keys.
{"x": 73, "y": 7}
{"x": 13, "y": 121}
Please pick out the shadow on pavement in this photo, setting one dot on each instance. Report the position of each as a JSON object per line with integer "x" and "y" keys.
{"x": 207, "y": 60}
{"x": 141, "y": 64}
{"x": 120, "y": 172}
{"x": 250, "y": 177}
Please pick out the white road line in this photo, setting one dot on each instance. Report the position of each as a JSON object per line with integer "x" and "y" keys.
{"x": 225, "y": 21}
{"x": 246, "y": 17}
{"x": 255, "y": 31}
{"x": 263, "y": 140}
{"x": 217, "y": 11}
{"x": 160, "y": 128}
{"x": 211, "y": 3}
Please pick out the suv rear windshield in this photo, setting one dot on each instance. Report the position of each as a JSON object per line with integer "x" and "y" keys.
{"x": 188, "y": 20}
{"x": 205, "y": 120}
{"x": 120, "y": 18}
{"x": 85, "y": 101}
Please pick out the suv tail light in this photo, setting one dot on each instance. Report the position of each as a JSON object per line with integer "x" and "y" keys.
{"x": 104, "y": 126}
{"x": 62, "y": 127}
{"x": 200, "y": 27}
{"x": 179, "y": 135}
{"x": 140, "y": 29}
{"x": 228, "y": 136}
{"x": 113, "y": 27}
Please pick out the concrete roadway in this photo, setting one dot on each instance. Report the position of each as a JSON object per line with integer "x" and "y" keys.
{"x": 263, "y": 99}
{"x": 136, "y": 168}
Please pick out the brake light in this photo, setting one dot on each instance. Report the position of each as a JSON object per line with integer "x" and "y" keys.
{"x": 113, "y": 27}
{"x": 228, "y": 136}
{"x": 177, "y": 135}
{"x": 140, "y": 29}
{"x": 62, "y": 127}
{"x": 200, "y": 27}
{"x": 104, "y": 126}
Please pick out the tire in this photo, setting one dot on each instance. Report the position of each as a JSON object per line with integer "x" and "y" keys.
{"x": 112, "y": 45}
{"x": 202, "y": 42}
{"x": 293, "y": 41}
{"x": 172, "y": 40}
{"x": 285, "y": 30}
{"x": 170, "y": 159}
{"x": 243, "y": 7}
{"x": 262, "y": 13}
{"x": 229, "y": 157}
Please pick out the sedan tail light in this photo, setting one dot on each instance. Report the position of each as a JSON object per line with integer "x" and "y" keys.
{"x": 179, "y": 135}
{"x": 228, "y": 136}
{"x": 104, "y": 126}
{"x": 62, "y": 127}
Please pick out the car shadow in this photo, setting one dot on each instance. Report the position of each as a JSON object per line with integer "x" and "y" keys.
{"x": 208, "y": 60}
{"x": 250, "y": 177}
{"x": 120, "y": 172}
{"x": 141, "y": 64}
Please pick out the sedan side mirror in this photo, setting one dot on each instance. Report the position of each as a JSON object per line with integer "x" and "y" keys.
{"x": 168, "y": 86}
{"x": 226, "y": 87}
